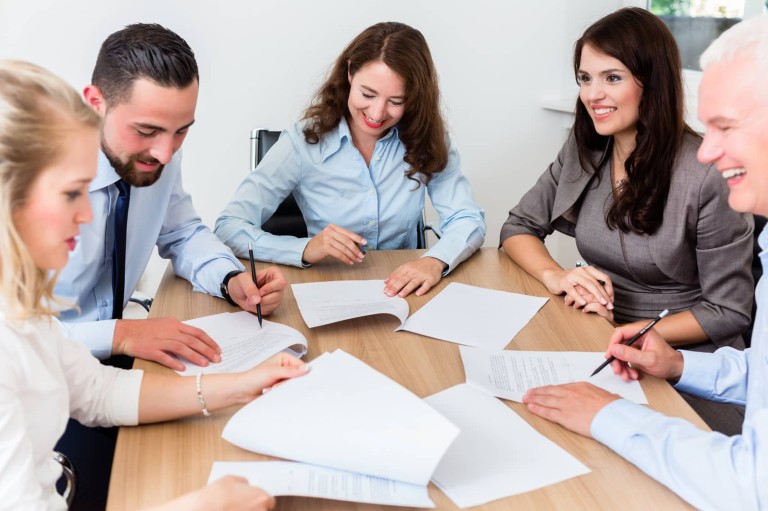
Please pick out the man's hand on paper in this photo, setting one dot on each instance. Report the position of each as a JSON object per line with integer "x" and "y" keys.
{"x": 269, "y": 374}
{"x": 418, "y": 275}
{"x": 230, "y": 493}
{"x": 336, "y": 242}
{"x": 650, "y": 354}
{"x": 573, "y": 405}
{"x": 157, "y": 339}
{"x": 272, "y": 285}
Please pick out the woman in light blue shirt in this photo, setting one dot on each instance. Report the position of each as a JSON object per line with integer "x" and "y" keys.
{"x": 358, "y": 164}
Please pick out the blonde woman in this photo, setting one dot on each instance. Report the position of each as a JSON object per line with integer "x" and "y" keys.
{"x": 49, "y": 142}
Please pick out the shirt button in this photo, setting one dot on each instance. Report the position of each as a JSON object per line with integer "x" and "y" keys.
{"x": 371, "y": 222}
{"x": 377, "y": 158}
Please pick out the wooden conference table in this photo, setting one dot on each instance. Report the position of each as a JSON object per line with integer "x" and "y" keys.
{"x": 154, "y": 463}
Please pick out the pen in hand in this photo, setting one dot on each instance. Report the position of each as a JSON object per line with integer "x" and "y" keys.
{"x": 633, "y": 339}
{"x": 253, "y": 276}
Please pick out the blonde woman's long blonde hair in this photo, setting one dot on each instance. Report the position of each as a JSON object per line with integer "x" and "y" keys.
{"x": 38, "y": 114}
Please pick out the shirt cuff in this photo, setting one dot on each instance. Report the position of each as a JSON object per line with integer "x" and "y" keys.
{"x": 97, "y": 336}
{"x": 125, "y": 398}
{"x": 699, "y": 369}
{"x": 616, "y": 422}
{"x": 214, "y": 273}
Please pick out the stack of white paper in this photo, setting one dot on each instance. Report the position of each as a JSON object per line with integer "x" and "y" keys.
{"x": 511, "y": 373}
{"x": 497, "y": 454}
{"x": 244, "y": 344}
{"x": 360, "y": 421}
{"x": 462, "y": 314}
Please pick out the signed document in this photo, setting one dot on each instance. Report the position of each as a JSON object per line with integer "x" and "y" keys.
{"x": 244, "y": 344}
{"x": 510, "y": 373}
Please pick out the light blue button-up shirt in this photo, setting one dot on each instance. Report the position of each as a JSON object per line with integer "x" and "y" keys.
{"x": 709, "y": 470}
{"x": 333, "y": 185}
{"x": 161, "y": 214}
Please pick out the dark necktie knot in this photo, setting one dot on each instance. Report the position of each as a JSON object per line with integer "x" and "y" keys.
{"x": 123, "y": 188}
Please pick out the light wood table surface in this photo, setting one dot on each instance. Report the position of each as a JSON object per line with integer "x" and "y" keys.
{"x": 154, "y": 463}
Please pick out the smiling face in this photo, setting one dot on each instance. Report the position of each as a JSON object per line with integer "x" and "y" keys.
{"x": 57, "y": 203}
{"x": 141, "y": 134}
{"x": 733, "y": 105}
{"x": 376, "y": 101}
{"x": 610, "y": 94}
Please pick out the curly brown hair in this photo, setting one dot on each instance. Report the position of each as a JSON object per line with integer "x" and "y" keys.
{"x": 404, "y": 50}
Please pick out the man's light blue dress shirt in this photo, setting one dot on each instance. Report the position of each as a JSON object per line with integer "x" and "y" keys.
{"x": 161, "y": 214}
{"x": 709, "y": 470}
{"x": 333, "y": 185}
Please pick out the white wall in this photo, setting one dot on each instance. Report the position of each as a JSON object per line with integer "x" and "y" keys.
{"x": 260, "y": 61}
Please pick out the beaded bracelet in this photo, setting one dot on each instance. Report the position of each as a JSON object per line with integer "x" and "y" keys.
{"x": 199, "y": 386}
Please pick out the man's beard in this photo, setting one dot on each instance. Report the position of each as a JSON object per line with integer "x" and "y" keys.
{"x": 127, "y": 170}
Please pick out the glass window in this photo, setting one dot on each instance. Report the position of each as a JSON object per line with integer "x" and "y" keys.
{"x": 696, "y": 23}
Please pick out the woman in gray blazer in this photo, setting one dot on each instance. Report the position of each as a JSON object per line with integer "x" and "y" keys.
{"x": 652, "y": 222}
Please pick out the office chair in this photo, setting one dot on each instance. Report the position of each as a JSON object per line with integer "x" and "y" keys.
{"x": 142, "y": 299}
{"x": 68, "y": 470}
{"x": 287, "y": 219}
{"x": 421, "y": 231}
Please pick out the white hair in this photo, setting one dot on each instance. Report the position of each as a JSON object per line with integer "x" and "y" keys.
{"x": 746, "y": 39}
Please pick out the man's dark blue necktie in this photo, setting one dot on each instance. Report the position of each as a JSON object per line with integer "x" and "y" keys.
{"x": 118, "y": 249}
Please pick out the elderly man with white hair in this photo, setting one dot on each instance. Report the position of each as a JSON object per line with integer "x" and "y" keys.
{"x": 709, "y": 470}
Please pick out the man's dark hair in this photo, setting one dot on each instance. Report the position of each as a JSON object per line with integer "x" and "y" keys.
{"x": 138, "y": 51}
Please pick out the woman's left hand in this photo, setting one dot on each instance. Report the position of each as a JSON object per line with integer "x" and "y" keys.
{"x": 419, "y": 276}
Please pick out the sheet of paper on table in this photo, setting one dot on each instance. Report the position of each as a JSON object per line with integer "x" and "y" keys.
{"x": 497, "y": 453}
{"x": 282, "y": 478}
{"x": 361, "y": 422}
{"x": 474, "y": 316}
{"x": 322, "y": 303}
{"x": 463, "y": 314}
{"x": 244, "y": 344}
{"x": 510, "y": 373}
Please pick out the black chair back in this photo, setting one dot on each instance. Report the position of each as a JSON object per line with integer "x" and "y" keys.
{"x": 287, "y": 219}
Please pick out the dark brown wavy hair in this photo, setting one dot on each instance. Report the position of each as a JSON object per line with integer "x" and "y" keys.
{"x": 647, "y": 48}
{"x": 404, "y": 50}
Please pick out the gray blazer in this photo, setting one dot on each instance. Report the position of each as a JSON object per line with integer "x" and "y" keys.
{"x": 703, "y": 249}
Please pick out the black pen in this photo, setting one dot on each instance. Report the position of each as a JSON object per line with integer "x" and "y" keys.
{"x": 253, "y": 276}
{"x": 633, "y": 339}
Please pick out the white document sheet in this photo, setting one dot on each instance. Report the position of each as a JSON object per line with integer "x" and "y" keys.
{"x": 474, "y": 316}
{"x": 360, "y": 421}
{"x": 322, "y": 303}
{"x": 510, "y": 373}
{"x": 280, "y": 478}
{"x": 244, "y": 344}
{"x": 497, "y": 453}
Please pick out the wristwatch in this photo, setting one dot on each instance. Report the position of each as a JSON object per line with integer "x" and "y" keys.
{"x": 225, "y": 283}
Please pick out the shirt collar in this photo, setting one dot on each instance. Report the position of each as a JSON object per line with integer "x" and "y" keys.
{"x": 332, "y": 141}
{"x": 105, "y": 176}
{"x": 762, "y": 240}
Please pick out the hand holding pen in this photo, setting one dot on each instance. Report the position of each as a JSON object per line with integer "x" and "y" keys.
{"x": 634, "y": 339}
{"x": 255, "y": 280}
